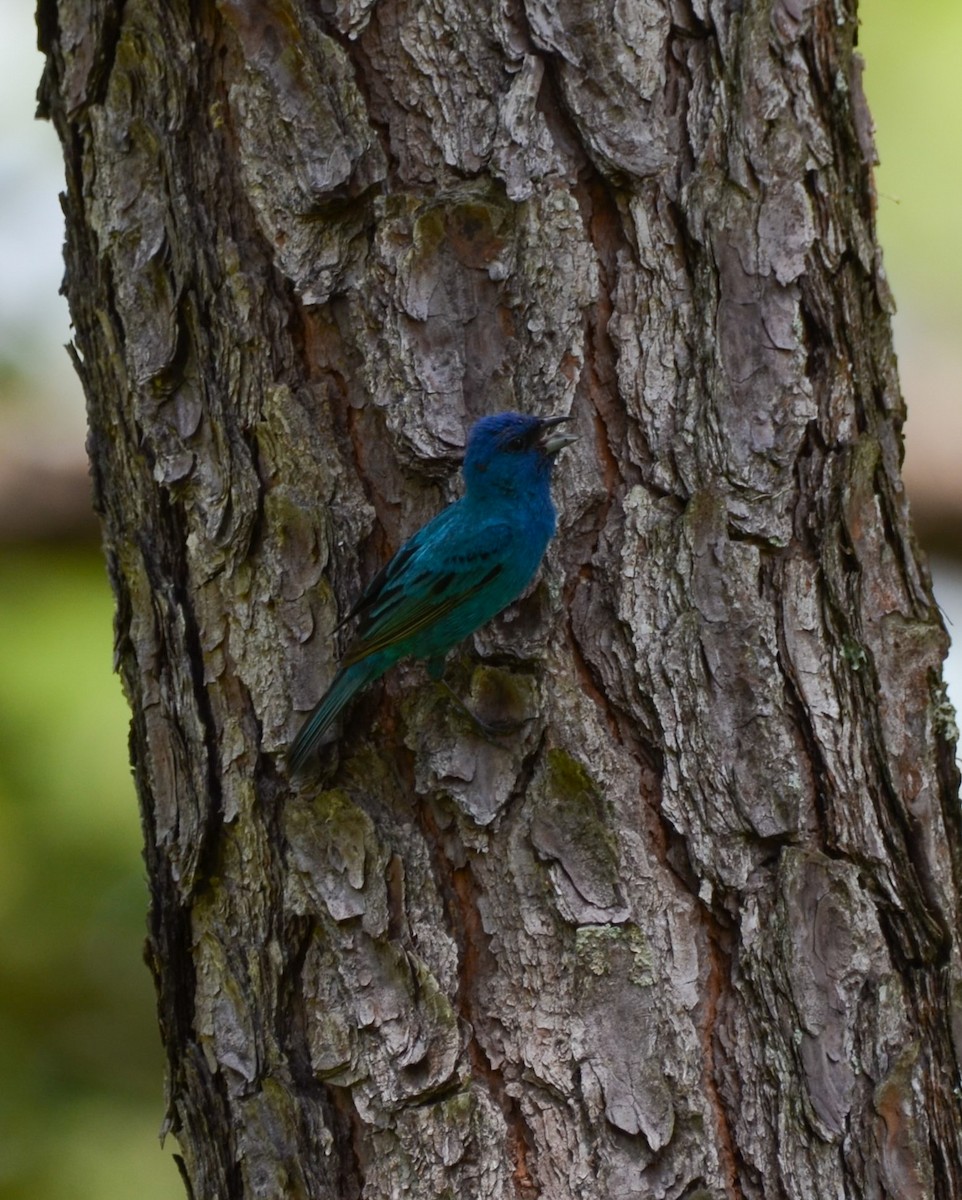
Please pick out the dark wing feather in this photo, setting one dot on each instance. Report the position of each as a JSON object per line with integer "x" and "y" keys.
{"x": 441, "y": 567}
{"x": 382, "y": 579}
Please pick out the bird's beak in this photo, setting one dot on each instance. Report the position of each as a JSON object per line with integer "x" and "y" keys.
{"x": 551, "y": 443}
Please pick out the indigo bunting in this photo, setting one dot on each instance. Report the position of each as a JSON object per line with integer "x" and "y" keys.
{"x": 459, "y": 570}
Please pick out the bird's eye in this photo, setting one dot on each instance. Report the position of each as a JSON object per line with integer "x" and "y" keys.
{"x": 515, "y": 443}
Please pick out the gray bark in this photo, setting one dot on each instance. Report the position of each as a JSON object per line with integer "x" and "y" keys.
{"x": 694, "y": 930}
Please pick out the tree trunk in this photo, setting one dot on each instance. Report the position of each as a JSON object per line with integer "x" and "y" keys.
{"x": 694, "y": 930}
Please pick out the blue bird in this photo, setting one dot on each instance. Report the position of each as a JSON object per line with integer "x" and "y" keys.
{"x": 459, "y": 570}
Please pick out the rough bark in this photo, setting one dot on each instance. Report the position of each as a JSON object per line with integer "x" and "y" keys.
{"x": 694, "y": 931}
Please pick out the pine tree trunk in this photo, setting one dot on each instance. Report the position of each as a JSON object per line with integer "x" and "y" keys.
{"x": 693, "y": 931}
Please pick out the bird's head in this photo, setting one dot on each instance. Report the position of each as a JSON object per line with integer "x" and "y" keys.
{"x": 509, "y": 452}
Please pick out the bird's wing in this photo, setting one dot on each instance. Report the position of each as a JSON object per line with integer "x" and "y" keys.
{"x": 439, "y": 568}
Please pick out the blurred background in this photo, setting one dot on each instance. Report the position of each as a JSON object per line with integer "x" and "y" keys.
{"x": 81, "y": 1070}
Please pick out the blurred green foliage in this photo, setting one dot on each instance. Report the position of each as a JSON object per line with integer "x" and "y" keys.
{"x": 914, "y": 89}
{"x": 82, "y": 1095}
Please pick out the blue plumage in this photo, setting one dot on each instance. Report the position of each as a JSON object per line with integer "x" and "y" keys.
{"x": 459, "y": 570}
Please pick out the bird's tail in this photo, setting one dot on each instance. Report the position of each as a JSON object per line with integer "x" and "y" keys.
{"x": 344, "y": 685}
